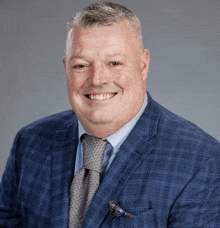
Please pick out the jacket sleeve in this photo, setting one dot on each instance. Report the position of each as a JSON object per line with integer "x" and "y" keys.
{"x": 198, "y": 205}
{"x": 9, "y": 203}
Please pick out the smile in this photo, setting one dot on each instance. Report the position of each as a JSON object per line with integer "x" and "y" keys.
{"x": 100, "y": 96}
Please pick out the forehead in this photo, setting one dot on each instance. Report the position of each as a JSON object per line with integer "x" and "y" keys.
{"x": 120, "y": 35}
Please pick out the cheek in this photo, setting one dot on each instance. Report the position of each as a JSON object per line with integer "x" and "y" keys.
{"x": 123, "y": 77}
{"x": 74, "y": 82}
{"x": 129, "y": 80}
{"x": 69, "y": 78}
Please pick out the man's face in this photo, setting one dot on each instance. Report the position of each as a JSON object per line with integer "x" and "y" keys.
{"x": 106, "y": 76}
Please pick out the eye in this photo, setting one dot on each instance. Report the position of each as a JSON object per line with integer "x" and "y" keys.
{"x": 115, "y": 63}
{"x": 79, "y": 66}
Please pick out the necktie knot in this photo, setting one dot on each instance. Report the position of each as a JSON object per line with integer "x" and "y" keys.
{"x": 93, "y": 152}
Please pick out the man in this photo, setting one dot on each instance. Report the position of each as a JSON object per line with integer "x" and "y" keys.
{"x": 158, "y": 170}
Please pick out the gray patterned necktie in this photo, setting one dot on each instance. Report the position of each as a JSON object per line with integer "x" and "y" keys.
{"x": 86, "y": 181}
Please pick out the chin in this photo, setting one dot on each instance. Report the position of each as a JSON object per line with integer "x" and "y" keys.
{"x": 100, "y": 120}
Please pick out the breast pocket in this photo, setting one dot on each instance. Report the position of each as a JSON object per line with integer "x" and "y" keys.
{"x": 142, "y": 220}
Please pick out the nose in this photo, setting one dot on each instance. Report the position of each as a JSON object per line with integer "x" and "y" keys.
{"x": 99, "y": 75}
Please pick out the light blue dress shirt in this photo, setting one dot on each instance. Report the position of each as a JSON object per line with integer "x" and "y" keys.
{"x": 115, "y": 141}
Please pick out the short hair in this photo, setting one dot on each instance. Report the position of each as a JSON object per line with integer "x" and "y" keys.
{"x": 105, "y": 14}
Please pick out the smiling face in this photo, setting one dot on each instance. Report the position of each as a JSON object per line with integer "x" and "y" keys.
{"x": 106, "y": 76}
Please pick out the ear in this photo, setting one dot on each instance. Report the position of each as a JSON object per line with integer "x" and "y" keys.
{"x": 64, "y": 64}
{"x": 64, "y": 61}
{"x": 145, "y": 63}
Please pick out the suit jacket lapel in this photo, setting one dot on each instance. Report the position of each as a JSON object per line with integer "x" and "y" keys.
{"x": 63, "y": 160}
{"x": 133, "y": 151}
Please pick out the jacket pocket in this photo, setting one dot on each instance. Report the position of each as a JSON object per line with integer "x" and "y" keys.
{"x": 142, "y": 220}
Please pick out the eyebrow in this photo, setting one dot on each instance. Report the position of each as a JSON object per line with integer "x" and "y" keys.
{"x": 84, "y": 57}
{"x": 76, "y": 57}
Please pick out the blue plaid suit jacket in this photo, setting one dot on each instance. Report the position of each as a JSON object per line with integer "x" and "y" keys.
{"x": 167, "y": 174}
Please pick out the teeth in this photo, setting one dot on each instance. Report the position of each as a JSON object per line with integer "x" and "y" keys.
{"x": 101, "y": 96}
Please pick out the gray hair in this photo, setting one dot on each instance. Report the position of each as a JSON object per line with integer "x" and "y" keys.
{"x": 104, "y": 14}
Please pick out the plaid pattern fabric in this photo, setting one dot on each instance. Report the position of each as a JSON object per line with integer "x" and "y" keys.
{"x": 166, "y": 173}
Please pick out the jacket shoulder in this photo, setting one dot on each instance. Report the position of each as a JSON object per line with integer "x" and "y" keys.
{"x": 52, "y": 123}
{"x": 182, "y": 126}
{"x": 183, "y": 135}
{"x": 42, "y": 133}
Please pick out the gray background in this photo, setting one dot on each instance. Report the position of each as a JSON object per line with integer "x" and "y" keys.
{"x": 183, "y": 37}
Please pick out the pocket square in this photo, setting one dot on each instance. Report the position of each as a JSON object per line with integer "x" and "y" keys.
{"x": 117, "y": 211}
